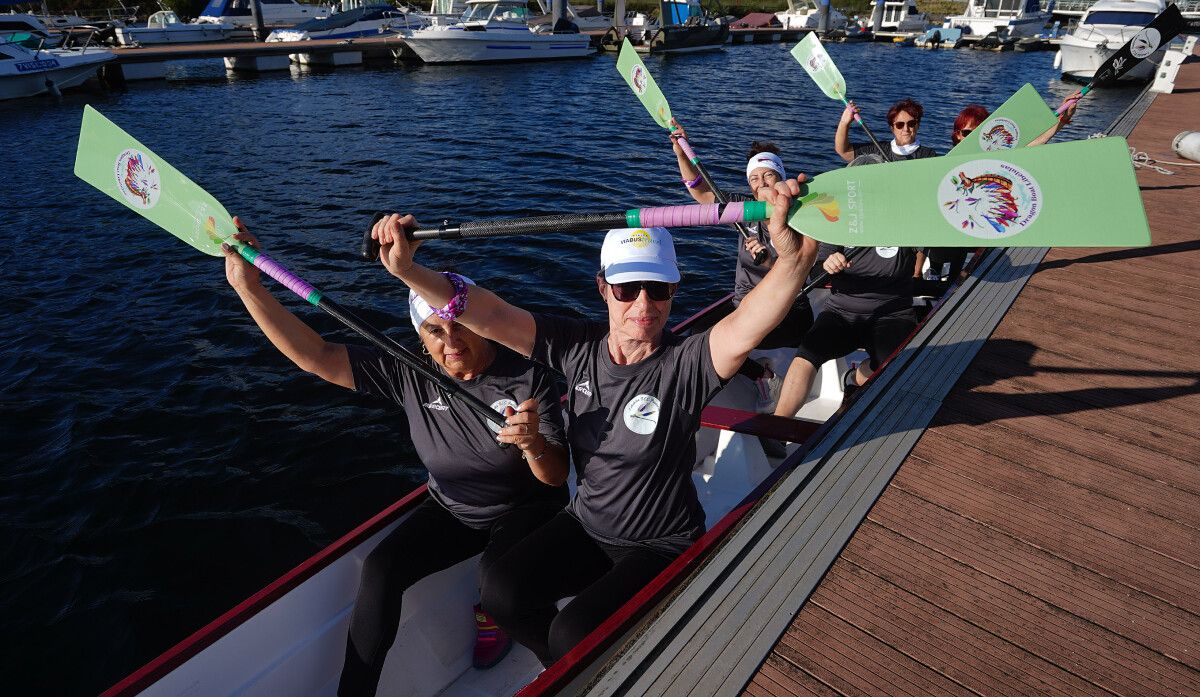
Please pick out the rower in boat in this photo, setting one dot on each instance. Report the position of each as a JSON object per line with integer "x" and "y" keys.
{"x": 635, "y": 396}
{"x": 904, "y": 118}
{"x": 764, "y": 167}
{"x": 484, "y": 497}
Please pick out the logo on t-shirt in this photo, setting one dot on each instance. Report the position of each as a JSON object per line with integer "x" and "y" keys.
{"x": 641, "y": 414}
{"x": 436, "y": 405}
{"x": 887, "y": 252}
{"x": 500, "y": 405}
{"x": 584, "y": 388}
{"x": 990, "y": 199}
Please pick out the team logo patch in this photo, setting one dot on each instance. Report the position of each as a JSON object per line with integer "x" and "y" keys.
{"x": 500, "y": 405}
{"x": 990, "y": 199}
{"x": 999, "y": 134}
{"x": 639, "y": 79}
{"x": 887, "y": 252}
{"x": 638, "y": 239}
{"x": 1145, "y": 42}
{"x": 137, "y": 179}
{"x": 641, "y": 414}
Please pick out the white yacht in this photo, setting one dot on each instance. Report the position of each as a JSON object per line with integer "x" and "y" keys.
{"x": 902, "y": 15}
{"x": 165, "y": 28}
{"x": 1106, "y": 27}
{"x": 1020, "y": 18}
{"x": 494, "y": 30}
{"x": 804, "y": 14}
{"x": 276, "y": 13}
{"x": 26, "y": 70}
{"x": 359, "y": 21}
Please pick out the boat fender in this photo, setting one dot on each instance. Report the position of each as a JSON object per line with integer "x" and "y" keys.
{"x": 53, "y": 89}
{"x": 1187, "y": 144}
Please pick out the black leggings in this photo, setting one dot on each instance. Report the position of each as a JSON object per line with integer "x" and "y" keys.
{"x": 557, "y": 561}
{"x": 788, "y": 333}
{"x": 834, "y": 335}
{"x": 429, "y": 540}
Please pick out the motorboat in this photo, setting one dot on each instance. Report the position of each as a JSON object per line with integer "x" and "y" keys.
{"x": 586, "y": 18}
{"x": 445, "y": 12}
{"x": 359, "y": 21}
{"x": 682, "y": 27}
{"x": 164, "y": 27}
{"x": 1019, "y": 18}
{"x": 1106, "y": 27}
{"x": 28, "y": 69}
{"x": 289, "y": 638}
{"x": 902, "y": 16}
{"x": 939, "y": 37}
{"x": 22, "y": 24}
{"x": 276, "y": 13}
{"x": 492, "y": 31}
{"x": 805, "y": 14}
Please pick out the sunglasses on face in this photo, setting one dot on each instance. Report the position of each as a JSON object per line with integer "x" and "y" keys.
{"x": 655, "y": 290}
{"x": 964, "y": 132}
{"x": 906, "y": 124}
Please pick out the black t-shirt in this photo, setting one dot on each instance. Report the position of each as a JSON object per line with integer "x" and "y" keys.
{"x": 922, "y": 151}
{"x": 469, "y": 473}
{"x": 746, "y": 273}
{"x": 632, "y": 430}
{"x": 878, "y": 282}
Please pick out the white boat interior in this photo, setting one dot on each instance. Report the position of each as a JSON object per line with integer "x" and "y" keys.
{"x": 27, "y": 69}
{"x": 371, "y": 20}
{"x": 902, "y": 15}
{"x": 492, "y": 31}
{"x": 804, "y": 14}
{"x": 165, "y": 27}
{"x": 1020, "y": 18}
{"x": 1105, "y": 28}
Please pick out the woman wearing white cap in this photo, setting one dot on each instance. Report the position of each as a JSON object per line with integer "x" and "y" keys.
{"x": 635, "y": 393}
{"x": 764, "y": 167}
{"x": 484, "y": 498}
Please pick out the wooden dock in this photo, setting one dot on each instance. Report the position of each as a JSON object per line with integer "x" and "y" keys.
{"x": 1044, "y": 534}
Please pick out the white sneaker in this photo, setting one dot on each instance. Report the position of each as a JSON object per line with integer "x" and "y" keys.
{"x": 768, "y": 387}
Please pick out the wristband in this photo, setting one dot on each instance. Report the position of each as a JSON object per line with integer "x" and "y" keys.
{"x": 458, "y": 303}
{"x": 693, "y": 183}
{"x": 545, "y": 447}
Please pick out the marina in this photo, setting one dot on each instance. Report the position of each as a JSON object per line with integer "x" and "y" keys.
{"x": 207, "y": 521}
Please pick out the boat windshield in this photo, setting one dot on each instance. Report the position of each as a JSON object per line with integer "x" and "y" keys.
{"x": 1002, "y": 8}
{"x": 478, "y": 13}
{"x": 1124, "y": 19}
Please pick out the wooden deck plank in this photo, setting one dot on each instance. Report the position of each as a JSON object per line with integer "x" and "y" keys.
{"x": 1078, "y": 302}
{"x": 854, "y": 662}
{"x": 1134, "y": 566}
{"x": 1112, "y": 662}
{"x": 961, "y": 651}
{"x": 1033, "y": 488}
{"x": 784, "y": 678}
{"x": 1099, "y": 599}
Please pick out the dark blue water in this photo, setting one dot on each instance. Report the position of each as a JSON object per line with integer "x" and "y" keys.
{"x": 161, "y": 461}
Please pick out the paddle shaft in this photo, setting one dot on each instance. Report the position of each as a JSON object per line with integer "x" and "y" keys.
{"x": 823, "y": 277}
{"x": 885, "y": 154}
{"x": 313, "y": 296}
{"x": 684, "y": 145}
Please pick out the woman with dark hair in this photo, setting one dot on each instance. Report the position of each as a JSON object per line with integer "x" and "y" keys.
{"x": 904, "y": 118}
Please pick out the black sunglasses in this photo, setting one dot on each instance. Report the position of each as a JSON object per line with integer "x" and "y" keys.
{"x": 656, "y": 290}
{"x": 964, "y": 132}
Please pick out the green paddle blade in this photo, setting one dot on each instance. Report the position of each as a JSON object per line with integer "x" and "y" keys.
{"x": 630, "y": 65}
{"x": 114, "y": 162}
{"x": 1077, "y": 194}
{"x": 1023, "y": 117}
{"x": 819, "y": 66}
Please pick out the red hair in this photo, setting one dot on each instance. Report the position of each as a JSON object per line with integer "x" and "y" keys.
{"x": 912, "y": 106}
{"x": 973, "y": 113}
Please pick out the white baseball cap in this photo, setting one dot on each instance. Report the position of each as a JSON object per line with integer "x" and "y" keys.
{"x": 639, "y": 254}
{"x": 419, "y": 310}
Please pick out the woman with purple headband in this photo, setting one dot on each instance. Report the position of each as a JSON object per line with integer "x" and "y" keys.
{"x": 483, "y": 497}
{"x": 635, "y": 394}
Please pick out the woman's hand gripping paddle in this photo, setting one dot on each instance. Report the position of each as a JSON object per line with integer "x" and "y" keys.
{"x": 1159, "y": 32}
{"x": 1026, "y": 197}
{"x": 114, "y": 162}
{"x": 815, "y": 60}
{"x": 642, "y": 83}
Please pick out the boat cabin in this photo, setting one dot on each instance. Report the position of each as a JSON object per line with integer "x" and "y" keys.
{"x": 1002, "y": 9}
{"x": 163, "y": 19}
{"x": 27, "y": 24}
{"x": 677, "y": 12}
{"x": 480, "y": 12}
{"x": 1123, "y": 13}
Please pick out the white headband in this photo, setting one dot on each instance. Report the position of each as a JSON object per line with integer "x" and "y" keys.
{"x": 419, "y": 310}
{"x": 766, "y": 159}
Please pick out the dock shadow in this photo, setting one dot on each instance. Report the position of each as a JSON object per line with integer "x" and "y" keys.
{"x": 1122, "y": 254}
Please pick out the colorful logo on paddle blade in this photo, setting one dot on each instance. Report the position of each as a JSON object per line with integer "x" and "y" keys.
{"x": 210, "y": 229}
{"x": 990, "y": 199}
{"x": 137, "y": 179}
{"x": 999, "y": 134}
{"x": 638, "y": 78}
{"x": 825, "y": 203}
{"x": 1145, "y": 43}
